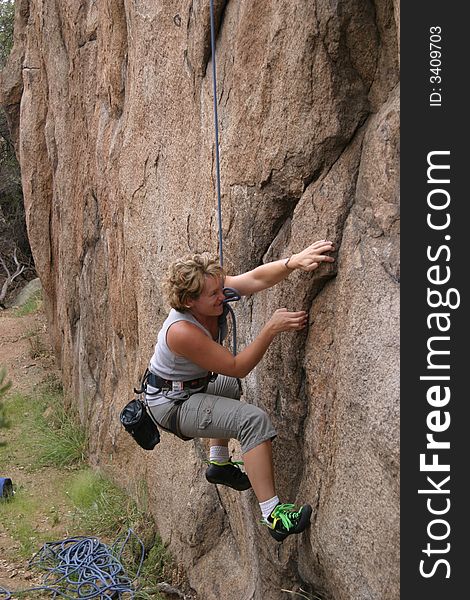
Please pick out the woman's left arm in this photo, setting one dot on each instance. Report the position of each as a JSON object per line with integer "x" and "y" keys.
{"x": 265, "y": 276}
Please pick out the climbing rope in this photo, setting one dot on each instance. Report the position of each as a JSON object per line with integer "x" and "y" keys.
{"x": 85, "y": 568}
{"x": 216, "y": 127}
{"x": 230, "y": 293}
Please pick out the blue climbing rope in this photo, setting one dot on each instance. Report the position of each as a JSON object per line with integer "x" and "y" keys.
{"x": 85, "y": 568}
{"x": 216, "y": 124}
{"x": 230, "y": 293}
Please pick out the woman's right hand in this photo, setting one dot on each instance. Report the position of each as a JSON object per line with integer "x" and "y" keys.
{"x": 284, "y": 320}
{"x": 189, "y": 341}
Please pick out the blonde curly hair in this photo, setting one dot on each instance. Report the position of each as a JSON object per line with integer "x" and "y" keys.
{"x": 185, "y": 278}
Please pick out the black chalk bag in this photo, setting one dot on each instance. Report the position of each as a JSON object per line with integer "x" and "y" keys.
{"x": 137, "y": 422}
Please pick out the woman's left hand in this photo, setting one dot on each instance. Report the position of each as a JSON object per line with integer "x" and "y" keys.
{"x": 310, "y": 258}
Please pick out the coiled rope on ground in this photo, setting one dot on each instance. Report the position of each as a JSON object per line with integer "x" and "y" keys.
{"x": 84, "y": 567}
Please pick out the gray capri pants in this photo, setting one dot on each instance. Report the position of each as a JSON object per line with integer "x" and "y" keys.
{"x": 218, "y": 413}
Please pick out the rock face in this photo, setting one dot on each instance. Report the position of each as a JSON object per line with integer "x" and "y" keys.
{"x": 111, "y": 105}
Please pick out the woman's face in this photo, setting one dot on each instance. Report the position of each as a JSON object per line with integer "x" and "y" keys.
{"x": 210, "y": 302}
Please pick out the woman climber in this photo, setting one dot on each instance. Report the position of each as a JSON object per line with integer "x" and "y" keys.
{"x": 183, "y": 396}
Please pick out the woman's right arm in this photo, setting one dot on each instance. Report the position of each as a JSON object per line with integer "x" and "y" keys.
{"x": 185, "y": 339}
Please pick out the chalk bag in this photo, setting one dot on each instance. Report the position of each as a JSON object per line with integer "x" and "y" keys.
{"x": 137, "y": 422}
{"x": 6, "y": 488}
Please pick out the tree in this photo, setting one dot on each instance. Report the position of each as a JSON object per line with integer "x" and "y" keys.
{"x": 7, "y": 17}
{"x": 14, "y": 244}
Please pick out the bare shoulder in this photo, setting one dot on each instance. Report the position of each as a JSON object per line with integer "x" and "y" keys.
{"x": 182, "y": 334}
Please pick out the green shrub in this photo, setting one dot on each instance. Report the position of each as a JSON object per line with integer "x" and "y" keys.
{"x": 50, "y": 435}
{"x": 62, "y": 442}
{"x": 100, "y": 506}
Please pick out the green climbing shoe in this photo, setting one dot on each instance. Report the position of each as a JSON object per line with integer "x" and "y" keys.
{"x": 227, "y": 473}
{"x": 286, "y": 519}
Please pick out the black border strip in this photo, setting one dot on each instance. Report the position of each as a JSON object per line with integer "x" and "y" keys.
{"x": 434, "y": 124}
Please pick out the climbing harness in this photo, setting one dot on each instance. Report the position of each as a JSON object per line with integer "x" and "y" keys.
{"x": 85, "y": 568}
{"x": 149, "y": 436}
{"x": 166, "y": 385}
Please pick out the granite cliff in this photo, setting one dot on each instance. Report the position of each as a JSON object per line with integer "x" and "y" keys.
{"x": 110, "y": 106}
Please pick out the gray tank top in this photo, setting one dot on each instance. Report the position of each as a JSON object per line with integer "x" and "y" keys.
{"x": 168, "y": 365}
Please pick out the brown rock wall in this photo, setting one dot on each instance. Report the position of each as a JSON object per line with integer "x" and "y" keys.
{"x": 111, "y": 102}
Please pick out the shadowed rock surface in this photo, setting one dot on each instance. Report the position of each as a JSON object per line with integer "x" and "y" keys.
{"x": 110, "y": 105}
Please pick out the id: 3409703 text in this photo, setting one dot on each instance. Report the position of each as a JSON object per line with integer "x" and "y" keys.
{"x": 435, "y": 65}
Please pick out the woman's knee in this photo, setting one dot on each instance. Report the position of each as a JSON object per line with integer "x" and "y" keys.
{"x": 255, "y": 427}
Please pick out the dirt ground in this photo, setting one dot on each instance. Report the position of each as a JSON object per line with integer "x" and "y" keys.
{"x": 21, "y": 339}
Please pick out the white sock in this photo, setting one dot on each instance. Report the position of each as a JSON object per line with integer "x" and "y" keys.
{"x": 268, "y": 506}
{"x": 219, "y": 454}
